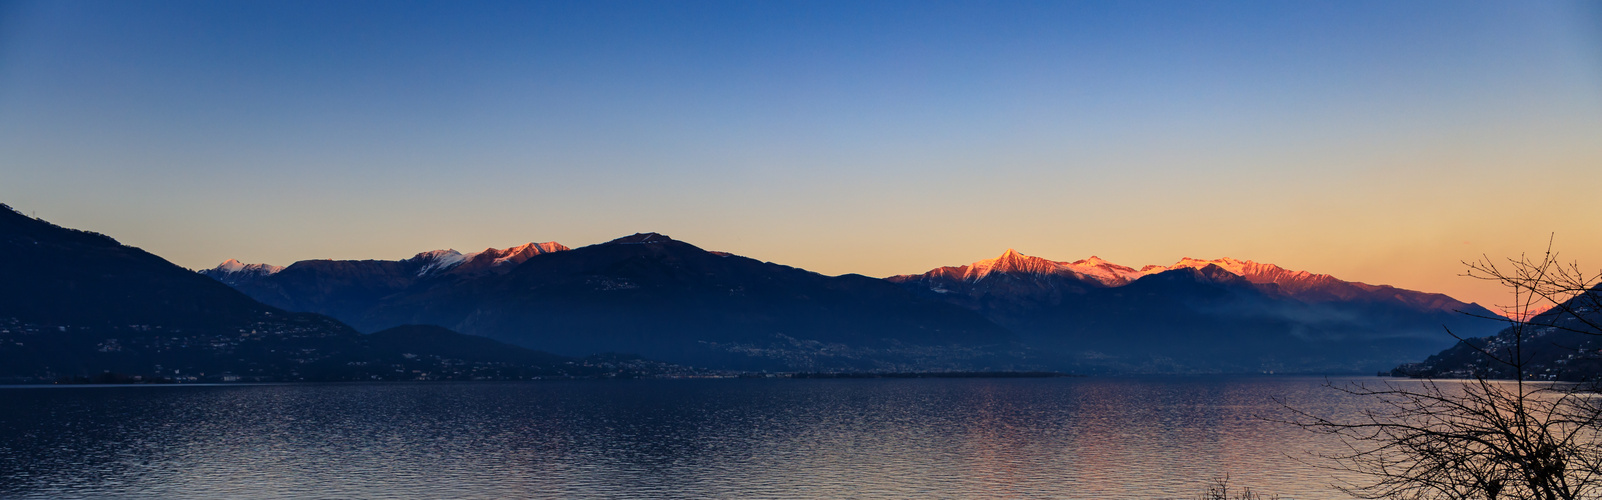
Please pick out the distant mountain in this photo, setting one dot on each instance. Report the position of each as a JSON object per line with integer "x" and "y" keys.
{"x": 425, "y": 264}
{"x": 346, "y": 288}
{"x": 1309, "y": 287}
{"x": 1562, "y": 343}
{"x": 666, "y": 299}
{"x": 1013, "y": 263}
{"x": 492, "y": 260}
{"x": 1223, "y": 315}
{"x": 80, "y": 304}
{"x": 233, "y": 272}
{"x": 1301, "y": 285}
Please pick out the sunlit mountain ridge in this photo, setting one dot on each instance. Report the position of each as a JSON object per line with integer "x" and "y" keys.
{"x": 1222, "y": 315}
{"x": 1302, "y": 285}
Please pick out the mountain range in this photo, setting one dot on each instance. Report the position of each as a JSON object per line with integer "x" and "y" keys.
{"x": 666, "y": 299}
{"x": 80, "y": 305}
{"x": 658, "y": 297}
{"x": 337, "y": 286}
{"x": 75, "y": 303}
{"x": 1199, "y": 316}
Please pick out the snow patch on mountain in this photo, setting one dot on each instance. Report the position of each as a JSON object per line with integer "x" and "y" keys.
{"x": 518, "y": 254}
{"x": 437, "y": 261}
{"x": 1260, "y": 273}
{"x": 1014, "y": 263}
{"x": 1107, "y": 273}
{"x": 492, "y": 258}
{"x": 1303, "y": 285}
{"x": 232, "y": 266}
{"x": 442, "y": 261}
{"x": 233, "y": 272}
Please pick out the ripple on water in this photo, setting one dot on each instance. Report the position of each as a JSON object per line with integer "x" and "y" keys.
{"x": 888, "y": 438}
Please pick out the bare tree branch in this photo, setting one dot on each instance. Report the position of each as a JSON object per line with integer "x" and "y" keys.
{"x": 1528, "y": 437}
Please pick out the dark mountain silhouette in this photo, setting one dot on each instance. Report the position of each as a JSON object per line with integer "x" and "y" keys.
{"x": 1323, "y": 288}
{"x": 666, "y": 299}
{"x": 53, "y": 275}
{"x": 1198, "y": 316}
{"x": 1562, "y": 343}
{"x": 650, "y": 294}
{"x": 78, "y": 304}
{"x": 347, "y": 288}
{"x": 441, "y": 341}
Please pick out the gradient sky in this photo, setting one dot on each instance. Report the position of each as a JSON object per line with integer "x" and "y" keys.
{"x": 1376, "y": 141}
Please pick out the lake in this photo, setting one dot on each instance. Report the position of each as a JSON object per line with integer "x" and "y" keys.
{"x": 726, "y": 438}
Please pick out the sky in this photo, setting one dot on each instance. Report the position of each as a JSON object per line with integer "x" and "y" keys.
{"x": 1383, "y": 142}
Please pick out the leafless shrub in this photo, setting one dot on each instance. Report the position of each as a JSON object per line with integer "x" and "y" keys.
{"x": 1472, "y": 439}
{"x": 1520, "y": 438}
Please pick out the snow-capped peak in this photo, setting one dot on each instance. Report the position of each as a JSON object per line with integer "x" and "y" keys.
{"x": 492, "y": 258}
{"x": 1234, "y": 266}
{"x": 520, "y": 253}
{"x": 234, "y": 272}
{"x": 1253, "y": 271}
{"x": 438, "y": 261}
{"x": 1110, "y": 274}
{"x": 1303, "y": 285}
{"x": 1013, "y": 262}
{"x": 232, "y": 266}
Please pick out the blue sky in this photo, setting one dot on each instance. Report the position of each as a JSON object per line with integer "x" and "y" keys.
{"x": 1380, "y": 141}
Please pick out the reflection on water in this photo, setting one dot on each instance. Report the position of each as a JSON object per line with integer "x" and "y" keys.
{"x": 896, "y": 438}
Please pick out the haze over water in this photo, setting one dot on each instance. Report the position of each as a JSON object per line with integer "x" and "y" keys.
{"x": 884, "y": 438}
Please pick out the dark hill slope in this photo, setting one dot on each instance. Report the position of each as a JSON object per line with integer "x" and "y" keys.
{"x": 440, "y": 341}
{"x": 339, "y": 288}
{"x": 74, "y": 302}
{"x": 78, "y": 304}
{"x": 1207, "y": 320}
{"x": 1563, "y": 343}
{"x": 59, "y": 276}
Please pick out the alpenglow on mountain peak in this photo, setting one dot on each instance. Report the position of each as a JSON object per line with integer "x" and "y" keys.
{"x": 1304, "y": 285}
{"x": 1107, "y": 273}
{"x": 1015, "y": 263}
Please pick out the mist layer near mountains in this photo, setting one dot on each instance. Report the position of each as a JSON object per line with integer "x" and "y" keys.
{"x": 1563, "y": 342}
{"x": 1198, "y": 316}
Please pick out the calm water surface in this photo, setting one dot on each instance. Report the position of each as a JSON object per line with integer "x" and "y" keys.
{"x": 934, "y": 438}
